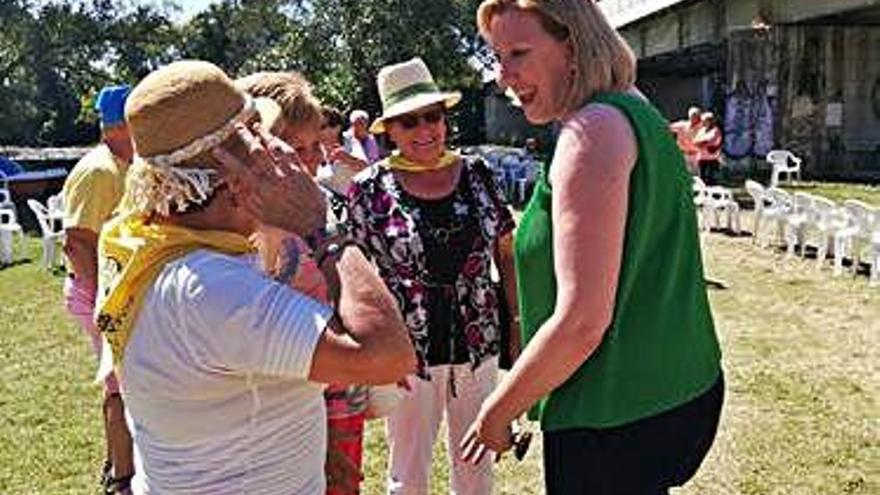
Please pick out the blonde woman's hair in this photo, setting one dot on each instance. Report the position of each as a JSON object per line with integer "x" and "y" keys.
{"x": 603, "y": 61}
{"x": 290, "y": 90}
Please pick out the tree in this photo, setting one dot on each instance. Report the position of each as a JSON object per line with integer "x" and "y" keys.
{"x": 55, "y": 57}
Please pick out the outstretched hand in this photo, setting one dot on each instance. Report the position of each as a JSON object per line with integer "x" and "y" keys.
{"x": 484, "y": 435}
{"x": 272, "y": 184}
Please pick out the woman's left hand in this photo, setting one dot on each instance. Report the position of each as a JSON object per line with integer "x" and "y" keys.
{"x": 485, "y": 434}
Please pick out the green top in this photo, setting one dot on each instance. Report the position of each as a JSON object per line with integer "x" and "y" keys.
{"x": 660, "y": 350}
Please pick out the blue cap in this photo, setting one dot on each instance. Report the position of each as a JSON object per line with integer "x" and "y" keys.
{"x": 110, "y": 103}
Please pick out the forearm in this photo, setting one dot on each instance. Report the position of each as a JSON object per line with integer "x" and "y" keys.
{"x": 366, "y": 308}
{"x": 81, "y": 249}
{"x": 550, "y": 358}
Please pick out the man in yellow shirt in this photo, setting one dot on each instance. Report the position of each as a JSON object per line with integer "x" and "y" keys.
{"x": 91, "y": 193}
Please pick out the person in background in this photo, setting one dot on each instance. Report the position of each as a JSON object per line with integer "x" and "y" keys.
{"x": 301, "y": 120}
{"x": 685, "y": 132}
{"x": 433, "y": 223}
{"x": 224, "y": 366}
{"x": 357, "y": 139}
{"x": 300, "y": 124}
{"x": 622, "y": 363}
{"x": 708, "y": 141}
{"x": 91, "y": 193}
{"x": 339, "y": 166}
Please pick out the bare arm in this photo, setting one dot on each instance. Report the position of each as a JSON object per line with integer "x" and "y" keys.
{"x": 504, "y": 257}
{"x": 369, "y": 342}
{"x": 81, "y": 249}
{"x": 590, "y": 178}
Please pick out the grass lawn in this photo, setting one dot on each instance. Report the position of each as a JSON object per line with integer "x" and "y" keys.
{"x": 800, "y": 354}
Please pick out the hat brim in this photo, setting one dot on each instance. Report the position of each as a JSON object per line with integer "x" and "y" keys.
{"x": 408, "y": 105}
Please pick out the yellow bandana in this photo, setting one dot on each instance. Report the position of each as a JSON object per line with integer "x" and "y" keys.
{"x": 397, "y": 162}
{"x": 131, "y": 253}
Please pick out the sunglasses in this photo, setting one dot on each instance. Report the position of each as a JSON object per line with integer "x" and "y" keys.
{"x": 412, "y": 120}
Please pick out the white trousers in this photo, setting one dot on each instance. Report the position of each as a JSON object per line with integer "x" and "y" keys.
{"x": 412, "y": 429}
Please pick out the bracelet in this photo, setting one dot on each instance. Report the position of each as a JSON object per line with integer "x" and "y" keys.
{"x": 333, "y": 250}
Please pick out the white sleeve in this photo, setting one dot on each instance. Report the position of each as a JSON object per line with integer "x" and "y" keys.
{"x": 250, "y": 323}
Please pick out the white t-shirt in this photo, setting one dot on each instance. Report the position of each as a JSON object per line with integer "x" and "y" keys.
{"x": 215, "y": 383}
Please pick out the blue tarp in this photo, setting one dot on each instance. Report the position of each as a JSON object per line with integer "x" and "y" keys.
{"x": 10, "y": 167}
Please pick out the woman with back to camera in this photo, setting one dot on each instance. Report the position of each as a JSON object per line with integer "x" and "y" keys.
{"x": 622, "y": 365}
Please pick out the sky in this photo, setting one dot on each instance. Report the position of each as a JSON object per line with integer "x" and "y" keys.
{"x": 190, "y": 7}
{"x": 193, "y": 7}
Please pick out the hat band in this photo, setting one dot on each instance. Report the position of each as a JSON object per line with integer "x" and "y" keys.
{"x": 409, "y": 92}
{"x": 204, "y": 143}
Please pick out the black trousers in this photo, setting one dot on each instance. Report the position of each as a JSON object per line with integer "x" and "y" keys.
{"x": 645, "y": 457}
{"x": 709, "y": 171}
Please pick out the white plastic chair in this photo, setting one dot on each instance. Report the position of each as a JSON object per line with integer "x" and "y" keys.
{"x": 874, "y": 254}
{"x": 6, "y": 198}
{"x": 775, "y": 208}
{"x": 757, "y": 192}
{"x": 867, "y": 218}
{"x": 825, "y": 220}
{"x": 55, "y": 205}
{"x": 721, "y": 202}
{"x": 783, "y": 162}
{"x": 52, "y": 239}
{"x": 797, "y": 222}
{"x": 9, "y": 227}
{"x": 701, "y": 202}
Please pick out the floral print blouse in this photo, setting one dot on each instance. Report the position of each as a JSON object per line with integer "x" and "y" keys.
{"x": 388, "y": 229}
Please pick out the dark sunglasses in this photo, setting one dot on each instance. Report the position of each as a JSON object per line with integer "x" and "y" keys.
{"x": 412, "y": 120}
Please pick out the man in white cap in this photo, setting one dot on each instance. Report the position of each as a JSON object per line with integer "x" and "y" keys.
{"x": 91, "y": 193}
{"x": 357, "y": 139}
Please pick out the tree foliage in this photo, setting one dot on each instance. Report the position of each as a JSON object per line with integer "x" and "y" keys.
{"x": 55, "y": 56}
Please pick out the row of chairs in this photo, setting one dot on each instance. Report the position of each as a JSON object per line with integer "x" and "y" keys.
{"x": 716, "y": 207}
{"x": 48, "y": 218}
{"x": 803, "y": 219}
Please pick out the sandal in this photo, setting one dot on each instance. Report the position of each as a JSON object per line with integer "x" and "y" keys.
{"x": 118, "y": 486}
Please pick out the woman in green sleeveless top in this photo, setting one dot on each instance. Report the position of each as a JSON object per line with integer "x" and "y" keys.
{"x": 622, "y": 365}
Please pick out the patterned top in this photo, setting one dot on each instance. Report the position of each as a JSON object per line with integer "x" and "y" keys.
{"x": 389, "y": 227}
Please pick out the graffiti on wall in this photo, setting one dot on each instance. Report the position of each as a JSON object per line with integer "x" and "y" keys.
{"x": 748, "y": 120}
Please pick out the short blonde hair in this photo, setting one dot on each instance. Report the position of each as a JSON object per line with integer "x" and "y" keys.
{"x": 604, "y": 61}
{"x": 290, "y": 90}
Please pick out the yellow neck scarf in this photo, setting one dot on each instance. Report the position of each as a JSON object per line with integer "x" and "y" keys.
{"x": 397, "y": 162}
{"x": 131, "y": 253}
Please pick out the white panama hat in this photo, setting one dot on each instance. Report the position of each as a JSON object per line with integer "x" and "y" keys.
{"x": 406, "y": 87}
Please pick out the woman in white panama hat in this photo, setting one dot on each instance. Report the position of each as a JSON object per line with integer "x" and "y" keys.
{"x": 433, "y": 222}
{"x": 221, "y": 366}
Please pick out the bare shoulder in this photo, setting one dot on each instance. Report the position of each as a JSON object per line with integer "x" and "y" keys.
{"x": 597, "y": 139}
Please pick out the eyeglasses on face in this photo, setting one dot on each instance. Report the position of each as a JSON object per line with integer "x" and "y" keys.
{"x": 412, "y": 120}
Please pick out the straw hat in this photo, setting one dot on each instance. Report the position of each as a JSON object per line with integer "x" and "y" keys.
{"x": 406, "y": 87}
{"x": 178, "y": 113}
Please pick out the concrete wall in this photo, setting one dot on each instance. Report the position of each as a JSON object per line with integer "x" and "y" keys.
{"x": 810, "y": 89}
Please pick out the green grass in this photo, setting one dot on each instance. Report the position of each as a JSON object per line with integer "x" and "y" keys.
{"x": 800, "y": 416}
{"x": 835, "y": 191}
{"x": 839, "y": 192}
